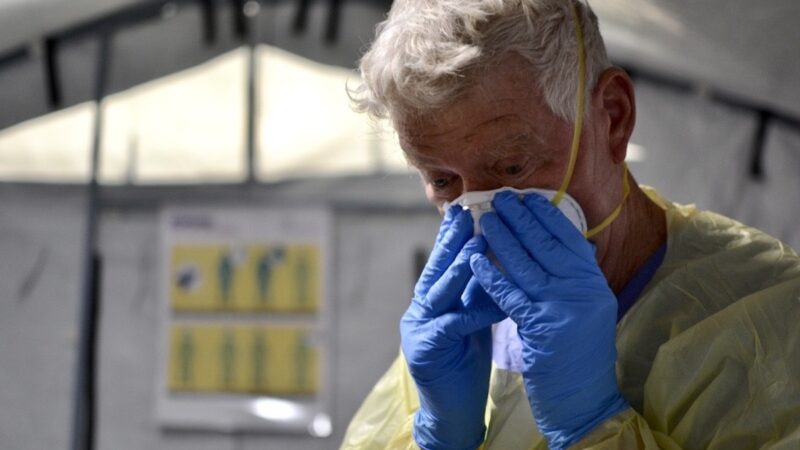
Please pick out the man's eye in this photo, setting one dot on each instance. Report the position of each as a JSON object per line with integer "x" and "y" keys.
{"x": 514, "y": 169}
{"x": 440, "y": 183}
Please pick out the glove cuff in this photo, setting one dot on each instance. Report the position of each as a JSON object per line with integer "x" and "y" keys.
{"x": 566, "y": 418}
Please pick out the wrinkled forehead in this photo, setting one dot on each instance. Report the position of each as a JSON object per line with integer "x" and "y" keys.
{"x": 465, "y": 127}
{"x": 498, "y": 124}
{"x": 507, "y": 87}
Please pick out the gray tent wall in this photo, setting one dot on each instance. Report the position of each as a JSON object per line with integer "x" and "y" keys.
{"x": 42, "y": 229}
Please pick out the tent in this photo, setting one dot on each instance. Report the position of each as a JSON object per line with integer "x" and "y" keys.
{"x": 220, "y": 103}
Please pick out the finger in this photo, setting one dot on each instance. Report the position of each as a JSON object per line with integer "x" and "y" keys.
{"x": 512, "y": 300}
{"x": 537, "y": 241}
{"x": 457, "y": 325}
{"x": 475, "y": 297}
{"x": 479, "y": 299}
{"x": 515, "y": 260}
{"x": 453, "y": 237}
{"x": 449, "y": 215}
{"x": 558, "y": 225}
{"x": 445, "y": 294}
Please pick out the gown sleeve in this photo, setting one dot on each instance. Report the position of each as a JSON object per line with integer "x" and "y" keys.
{"x": 385, "y": 419}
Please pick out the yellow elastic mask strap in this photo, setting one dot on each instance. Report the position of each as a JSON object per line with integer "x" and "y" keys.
{"x": 626, "y": 189}
{"x": 580, "y": 100}
{"x": 580, "y": 106}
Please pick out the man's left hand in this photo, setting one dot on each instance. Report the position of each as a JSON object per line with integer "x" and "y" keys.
{"x": 565, "y": 312}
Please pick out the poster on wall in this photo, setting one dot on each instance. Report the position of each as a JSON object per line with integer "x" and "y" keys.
{"x": 246, "y": 326}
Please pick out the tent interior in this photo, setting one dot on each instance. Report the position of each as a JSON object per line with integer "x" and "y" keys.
{"x": 115, "y": 111}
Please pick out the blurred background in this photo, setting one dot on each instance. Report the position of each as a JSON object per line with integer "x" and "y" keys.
{"x": 114, "y": 114}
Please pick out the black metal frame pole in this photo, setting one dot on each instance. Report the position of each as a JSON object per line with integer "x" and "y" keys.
{"x": 252, "y": 27}
{"x": 85, "y": 398}
{"x": 759, "y": 141}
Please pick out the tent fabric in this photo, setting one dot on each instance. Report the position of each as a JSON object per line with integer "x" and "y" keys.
{"x": 695, "y": 150}
{"x": 733, "y": 46}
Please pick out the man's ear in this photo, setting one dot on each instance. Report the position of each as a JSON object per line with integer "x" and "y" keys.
{"x": 614, "y": 96}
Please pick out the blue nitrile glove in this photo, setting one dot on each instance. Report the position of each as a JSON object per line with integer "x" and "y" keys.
{"x": 564, "y": 310}
{"x": 447, "y": 341}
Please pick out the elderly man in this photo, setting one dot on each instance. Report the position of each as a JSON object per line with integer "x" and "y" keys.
{"x": 623, "y": 320}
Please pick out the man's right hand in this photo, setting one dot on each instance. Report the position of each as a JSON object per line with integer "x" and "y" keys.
{"x": 447, "y": 341}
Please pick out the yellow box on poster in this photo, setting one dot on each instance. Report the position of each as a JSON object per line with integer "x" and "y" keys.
{"x": 276, "y": 360}
{"x": 249, "y": 278}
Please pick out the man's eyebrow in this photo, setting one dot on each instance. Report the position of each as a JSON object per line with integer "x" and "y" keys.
{"x": 414, "y": 159}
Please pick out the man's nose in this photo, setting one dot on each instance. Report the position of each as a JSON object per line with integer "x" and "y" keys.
{"x": 479, "y": 183}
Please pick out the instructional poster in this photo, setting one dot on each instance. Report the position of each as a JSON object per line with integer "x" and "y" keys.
{"x": 246, "y": 325}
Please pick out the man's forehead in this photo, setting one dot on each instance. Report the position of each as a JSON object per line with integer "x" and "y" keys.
{"x": 434, "y": 131}
{"x": 509, "y": 80}
{"x": 472, "y": 118}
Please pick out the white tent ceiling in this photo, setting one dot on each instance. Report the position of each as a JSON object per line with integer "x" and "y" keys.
{"x": 748, "y": 50}
{"x": 745, "y": 48}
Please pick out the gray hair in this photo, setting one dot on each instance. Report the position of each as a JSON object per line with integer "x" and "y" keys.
{"x": 426, "y": 52}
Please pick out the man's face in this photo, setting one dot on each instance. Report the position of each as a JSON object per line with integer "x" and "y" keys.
{"x": 500, "y": 133}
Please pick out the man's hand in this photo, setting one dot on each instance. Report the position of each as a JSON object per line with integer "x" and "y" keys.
{"x": 565, "y": 314}
{"x": 447, "y": 341}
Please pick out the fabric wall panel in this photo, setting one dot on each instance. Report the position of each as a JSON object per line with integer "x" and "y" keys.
{"x": 696, "y": 151}
{"x": 41, "y": 238}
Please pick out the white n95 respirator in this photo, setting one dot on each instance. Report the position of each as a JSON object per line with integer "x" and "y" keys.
{"x": 480, "y": 202}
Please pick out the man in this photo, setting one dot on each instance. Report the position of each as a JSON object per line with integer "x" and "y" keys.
{"x": 659, "y": 327}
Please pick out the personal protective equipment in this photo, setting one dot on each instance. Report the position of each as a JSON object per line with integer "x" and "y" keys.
{"x": 480, "y": 202}
{"x": 580, "y": 103}
{"x": 708, "y": 357}
{"x": 446, "y": 339}
{"x": 565, "y": 314}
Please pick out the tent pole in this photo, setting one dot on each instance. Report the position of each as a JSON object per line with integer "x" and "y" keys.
{"x": 86, "y": 369}
{"x": 250, "y": 12}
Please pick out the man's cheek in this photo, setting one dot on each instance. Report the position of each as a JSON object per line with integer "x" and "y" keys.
{"x": 430, "y": 194}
